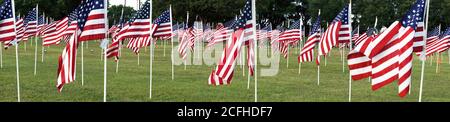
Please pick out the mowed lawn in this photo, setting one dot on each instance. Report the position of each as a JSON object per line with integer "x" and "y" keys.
{"x": 131, "y": 83}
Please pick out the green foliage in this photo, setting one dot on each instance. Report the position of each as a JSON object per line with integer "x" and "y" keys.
{"x": 215, "y": 11}
{"x": 114, "y": 13}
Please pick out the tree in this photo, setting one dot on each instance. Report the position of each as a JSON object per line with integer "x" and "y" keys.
{"x": 114, "y": 13}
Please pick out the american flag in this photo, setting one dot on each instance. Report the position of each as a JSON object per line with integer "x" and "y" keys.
{"x": 292, "y": 34}
{"x": 67, "y": 63}
{"x": 54, "y": 32}
{"x": 198, "y": 30}
{"x": 410, "y": 23}
{"x": 73, "y": 23}
{"x": 360, "y": 65}
{"x": 20, "y": 30}
{"x": 445, "y": 40}
{"x": 31, "y": 23}
{"x": 91, "y": 20}
{"x": 223, "y": 33}
{"x": 187, "y": 40}
{"x": 355, "y": 34}
{"x": 113, "y": 30}
{"x": 7, "y": 32}
{"x": 432, "y": 42}
{"x": 307, "y": 53}
{"x": 344, "y": 30}
{"x": 136, "y": 43}
{"x": 391, "y": 52}
{"x": 331, "y": 36}
{"x": 370, "y": 32}
{"x": 266, "y": 31}
{"x": 162, "y": 26}
{"x": 243, "y": 34}
{"x": 419, "y": 35}
{"x": 138, "y": 26}
{"x": 42, "y": 24}
{"x": 289, "y": 37}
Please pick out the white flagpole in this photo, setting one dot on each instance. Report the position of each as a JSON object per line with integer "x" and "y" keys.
{"x": 35, "y": 40}
{"x": 25, "y": 45}
{"x": 120, "y": 42}
{"x": 164, "y": 46}
{"x": 151, "y": 49}
{"x": 256, "y": 48}
{"x": 438, "y": 61}
{"x": 42, "y": 49}
{"x": 1, "y": 55}
{"x": 342, "y": 56}
{"x": 17, "y": 53}
{"x": 185, "y": 31}
{"x": 423, "y": 51}
{"x": 105, "y": 61}
{"x": 101, "y": 55}
{"x": 301, "y": 42}
{"x": 318, "y": 66}
{"x": 171, "y": 39}
{"x": 138, "y": 56}
{"x": 82, "y": 62}
{"x": 351, "y": 46}
{"x": 287, "y": 57}
{"x": 318, "y": 74}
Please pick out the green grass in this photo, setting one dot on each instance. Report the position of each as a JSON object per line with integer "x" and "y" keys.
{"x": 132, "y": 82}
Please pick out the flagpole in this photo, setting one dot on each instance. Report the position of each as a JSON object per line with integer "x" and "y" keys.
{"x": 342, "y": 56}
{"x": 287, "y": 57}
{"x": 82, "y": 62}
{"x": 1, "y": 55}
{"x": 437, "y": 61}
{"x": 17, "y": 53}
{"x": 301, "y": 44}
{"x": 171, "y": 39}
{"x": 423, "y": 51}
{"x": 42, "y": 49}
{"x": 438, "y": 55}
{"x": 25, "y": 45}
{"x": 318, "y": 58}
{"x": 151, "y": 48}
{"x": 105, "y": 51}
{"x": 120, "y": 42}
{"x": 256, "y": 49}
{"x": 185, "y": 31}
{"x": 35, "y": 39}
{"x": 318, "y": 74}
{"x": 351, "y": 46}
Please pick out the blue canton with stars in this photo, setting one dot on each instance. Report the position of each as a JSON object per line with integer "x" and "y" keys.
{"x": 434, "y": 32}
{"x": 342, "y": 16}
{"x": 295, "y": 25}
{"x": 315, "y": 26}
{"x": 73, "y": 16}
{"x": 143, "y": 13}
{"x": 414, "y": 15}
{"x": 230, "y": 23}
{"x": 41, "y": 20}
{"x": 446, "y": 32}
{"x": 6, "y": 10}
{"x": 245, "y": 16}
{"x": 164, "y": 18}
{"x": 85, "y": 8}
{"x": 31, "y": 16}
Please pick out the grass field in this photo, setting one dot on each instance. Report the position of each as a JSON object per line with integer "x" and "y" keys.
{"x": 132, "y": 82}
